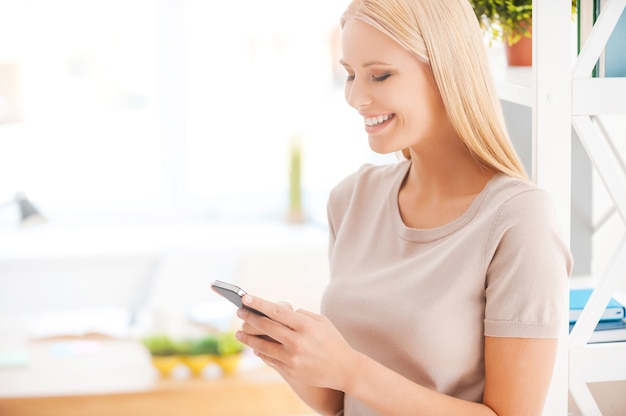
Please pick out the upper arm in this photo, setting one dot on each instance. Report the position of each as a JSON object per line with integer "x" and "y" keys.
{"x": 527, "y": 272}
{"x": 518, "y": 372}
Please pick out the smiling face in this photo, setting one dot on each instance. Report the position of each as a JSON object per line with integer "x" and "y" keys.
{"x": 393, "y": 91}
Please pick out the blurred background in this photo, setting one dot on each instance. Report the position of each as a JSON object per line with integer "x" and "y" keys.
{"x": 148, "y": 147}
{"x": 127, "y": 111}
{"x": 135, "y": 127}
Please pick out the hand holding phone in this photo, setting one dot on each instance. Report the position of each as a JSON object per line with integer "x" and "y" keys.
{"x": 233, "y": 293}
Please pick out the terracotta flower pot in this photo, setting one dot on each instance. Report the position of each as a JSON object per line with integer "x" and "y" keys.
{"x": 520, "y": 53}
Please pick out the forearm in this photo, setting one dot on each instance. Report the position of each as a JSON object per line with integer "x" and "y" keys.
{"x": 322, "y": 400}
{"x": 392, "y": 394}
{"x": 307, "y": 350}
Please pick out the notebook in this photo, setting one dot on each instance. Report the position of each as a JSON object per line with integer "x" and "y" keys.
{"x": 578, "y": 299}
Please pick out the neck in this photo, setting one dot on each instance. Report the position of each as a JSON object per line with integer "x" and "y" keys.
{"x": 445, "y": 172}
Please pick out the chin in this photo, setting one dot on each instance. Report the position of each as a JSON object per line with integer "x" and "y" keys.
{"x": 383, "y": 150}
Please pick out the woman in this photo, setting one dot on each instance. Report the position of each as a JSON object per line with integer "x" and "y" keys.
{"x": 448, "y": 275}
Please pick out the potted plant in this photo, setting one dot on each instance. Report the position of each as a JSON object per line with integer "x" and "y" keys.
{"x": 223, "y": 349}
{"x": 509, "y": 21}
{"x": 163, "y": 352}
{"x": 228, "y": 352}
{"x": 197, "y": 354}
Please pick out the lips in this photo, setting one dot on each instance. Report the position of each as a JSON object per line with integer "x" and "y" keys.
{"x": 375, "y": 124}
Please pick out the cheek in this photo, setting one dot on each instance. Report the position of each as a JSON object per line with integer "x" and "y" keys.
{"x": 414, "y": 109}
{"x": 418, "y": 120}
{"x": 423, "y": 107}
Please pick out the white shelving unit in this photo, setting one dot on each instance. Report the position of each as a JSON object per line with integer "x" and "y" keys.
{"x": 592, "y": 97}
{"x": 562, "y": 93}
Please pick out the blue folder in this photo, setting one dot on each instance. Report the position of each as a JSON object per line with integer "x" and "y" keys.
{"x": 578, "y": 299}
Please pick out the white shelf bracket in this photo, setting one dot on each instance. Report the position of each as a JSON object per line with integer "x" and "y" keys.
{"x": 595, "y": 96}
{"x": 600, "y": 154}
{"x": 598, "y": 37}
{"x": 591, "y": 314}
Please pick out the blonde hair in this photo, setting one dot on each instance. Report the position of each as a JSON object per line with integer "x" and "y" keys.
{"x": 445, "y": 34}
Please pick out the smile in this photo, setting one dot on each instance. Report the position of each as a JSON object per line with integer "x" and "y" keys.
{"x": 374, "y": 121}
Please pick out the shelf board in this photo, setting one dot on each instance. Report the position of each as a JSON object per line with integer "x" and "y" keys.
{"x": 514, "y": 84}
{"x": 593, "y": 96}
{"x": 590, "y": 96}
{"x": 598, "y": 362}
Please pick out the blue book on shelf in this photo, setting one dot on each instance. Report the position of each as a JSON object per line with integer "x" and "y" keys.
{"x": 578, "y": 299}
{"x": 607, "y": 331}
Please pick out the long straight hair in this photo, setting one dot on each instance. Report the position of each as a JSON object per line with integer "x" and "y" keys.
{"x": 446, "y": 35}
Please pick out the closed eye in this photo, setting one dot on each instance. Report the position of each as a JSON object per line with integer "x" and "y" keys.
{"x": 380, "y": 78}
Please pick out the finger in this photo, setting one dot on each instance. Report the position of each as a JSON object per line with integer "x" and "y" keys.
{"x": 260, "y": 344}
{"x": 258, "y": 325}
{"x": 250, "y": 329}
{"x": 274, "y": 311}
{"x": 268, "y": 360}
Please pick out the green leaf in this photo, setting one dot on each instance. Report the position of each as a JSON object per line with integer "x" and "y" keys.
{"x": 227, "y": 344}
{"x": 506, "y": 19}
{"x": 159, "y": 344}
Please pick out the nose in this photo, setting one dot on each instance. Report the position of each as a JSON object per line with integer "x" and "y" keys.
{"x": 357, "y": 95}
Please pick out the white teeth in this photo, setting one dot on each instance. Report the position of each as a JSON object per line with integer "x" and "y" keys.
{"x": 373, "y": 121}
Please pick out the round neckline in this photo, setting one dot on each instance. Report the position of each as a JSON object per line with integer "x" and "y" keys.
{"x": 424, "y": 235}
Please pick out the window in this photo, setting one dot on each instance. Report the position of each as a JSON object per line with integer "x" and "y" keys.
{"x": 171, "y": 109}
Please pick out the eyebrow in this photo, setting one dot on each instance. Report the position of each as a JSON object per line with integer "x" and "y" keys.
{"x": 366, "y": 64}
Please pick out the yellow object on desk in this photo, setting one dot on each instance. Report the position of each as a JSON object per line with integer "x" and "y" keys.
{"x": 197, "y": 363}
{"x": 228, "y": 363}
{"x": 165, "y": 364}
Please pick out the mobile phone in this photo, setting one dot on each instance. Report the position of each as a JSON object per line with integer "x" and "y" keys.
{"x": 233, "y": 293}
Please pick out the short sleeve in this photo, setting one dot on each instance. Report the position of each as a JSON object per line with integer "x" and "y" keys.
{"x": 338, "y": 202}
{"x": 528, "y": 268}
